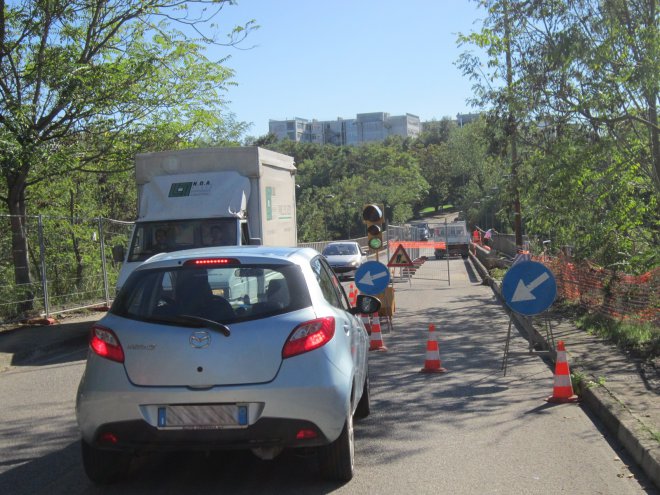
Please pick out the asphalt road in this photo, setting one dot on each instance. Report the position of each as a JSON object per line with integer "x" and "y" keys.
{"x": 470, "y": 430}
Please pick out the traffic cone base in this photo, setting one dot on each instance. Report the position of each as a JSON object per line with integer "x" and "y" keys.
{"x": 562, "y": 391}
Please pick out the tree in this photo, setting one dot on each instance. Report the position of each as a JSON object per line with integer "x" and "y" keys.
{"x": 576, "y": 83}
{"x": 598, "y": 63}
{"x": 77, "y": 78}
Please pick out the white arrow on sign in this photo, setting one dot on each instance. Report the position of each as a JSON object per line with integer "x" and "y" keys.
{"x": 368, "y": 278}
{"x": 524, "y": 292}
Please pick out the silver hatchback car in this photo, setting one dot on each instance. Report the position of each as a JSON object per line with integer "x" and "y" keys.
{"x": 345, "y": 257}
{"x": 226, "y": 348}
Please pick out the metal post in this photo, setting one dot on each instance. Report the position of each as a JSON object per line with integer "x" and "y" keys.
{"x": 103, "y": 264}
{"x": 447, "y": 251}
{"x": 42, "y": 256}
{"x": 505, "y": 358}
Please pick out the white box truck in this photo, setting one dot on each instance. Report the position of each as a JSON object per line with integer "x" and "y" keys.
{"x": 213, "y": 196}
{"x": 454, "y": 234}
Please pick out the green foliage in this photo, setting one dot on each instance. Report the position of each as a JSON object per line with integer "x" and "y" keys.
{"x": 78, "y": 104}
{"x": 574, "y": 86}
{"x": 87, "y": 85}
{"x": 640, "y": 338}
{"x": 497, "y": 273}
{"x": 335, "y": 182}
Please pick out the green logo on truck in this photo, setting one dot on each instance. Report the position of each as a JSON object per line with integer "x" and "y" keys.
{"x": 180, "y": 189}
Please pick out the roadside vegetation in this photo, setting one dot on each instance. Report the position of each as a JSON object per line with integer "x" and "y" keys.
{"x": 639, "y": 339}
{"x": 567, "y": 94}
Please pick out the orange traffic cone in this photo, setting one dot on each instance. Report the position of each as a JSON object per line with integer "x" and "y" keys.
{"x": 562, "y": 391}
{"x": 432, "y": 363}
{"x": 376, "y": 343}
{"x": 367, "y": 322}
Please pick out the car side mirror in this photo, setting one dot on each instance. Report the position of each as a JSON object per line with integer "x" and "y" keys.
{"x": 366, "y": 305}
{"x": 364, "y": 251}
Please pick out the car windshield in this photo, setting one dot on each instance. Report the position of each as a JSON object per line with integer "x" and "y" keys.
{"x": 340, "y": 250}
{"x": 158, "y": 237}
{"x": 222, "y": 294}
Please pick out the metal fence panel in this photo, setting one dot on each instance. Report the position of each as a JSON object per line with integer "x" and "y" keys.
{"x": 69, "y": 266}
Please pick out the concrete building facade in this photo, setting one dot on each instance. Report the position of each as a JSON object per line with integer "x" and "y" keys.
{"x": 364, "y": 128}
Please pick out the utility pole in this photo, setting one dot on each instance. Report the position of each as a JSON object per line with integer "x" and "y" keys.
{"x": 512, "y": 130}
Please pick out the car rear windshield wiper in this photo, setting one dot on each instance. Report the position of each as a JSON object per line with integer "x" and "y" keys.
{"x": 194, "y": 321}
{"x": 213, "y": 325}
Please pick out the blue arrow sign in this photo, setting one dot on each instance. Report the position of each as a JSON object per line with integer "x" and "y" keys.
{"x": 372, "y": 278}
{"x": 529, "y": 288}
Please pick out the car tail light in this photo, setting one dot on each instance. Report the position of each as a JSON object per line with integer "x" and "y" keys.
{"x": 213, "y": 262}
{"x": 309, "y": 336}
{"x": 306, "y": 434}
{"x": 105, "y": 343}
{"x": 108, "y": 438}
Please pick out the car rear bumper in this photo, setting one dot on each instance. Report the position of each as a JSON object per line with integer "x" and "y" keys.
{"x": 139, "y": 436}
{"x": 312, "y": 392}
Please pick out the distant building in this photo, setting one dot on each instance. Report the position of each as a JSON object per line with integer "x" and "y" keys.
{"x": 466, "y": 118}
{"x": 365, "y": 128}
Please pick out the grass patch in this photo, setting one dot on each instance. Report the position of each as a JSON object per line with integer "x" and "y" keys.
{"x": 497, "y": 273}
{"x": 641, "y": 339}
{"x": 656, "y": 435}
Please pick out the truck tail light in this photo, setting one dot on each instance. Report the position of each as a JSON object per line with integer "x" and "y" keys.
{"x": 105, "y": 343}
{"x": 309, "y": 336}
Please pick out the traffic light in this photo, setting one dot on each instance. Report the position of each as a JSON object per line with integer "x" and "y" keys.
{"x": 373, "y": 219}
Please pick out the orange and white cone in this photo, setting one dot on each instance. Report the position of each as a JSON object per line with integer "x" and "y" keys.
{"x": 432, "y": 364}
{"x": 367, "y": 322}
{"x": 562, "y": 391}
{"x": 376, "y": 343}
{"x": 352, "y": 296}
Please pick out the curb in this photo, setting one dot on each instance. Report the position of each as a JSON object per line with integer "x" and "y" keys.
{"x": 637, "y": 441}
{"x": 627, "y": 429}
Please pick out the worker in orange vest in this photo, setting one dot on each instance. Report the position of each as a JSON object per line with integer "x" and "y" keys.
{"x": 476, "y": 236}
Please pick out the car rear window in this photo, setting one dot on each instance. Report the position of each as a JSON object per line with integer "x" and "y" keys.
{"x": 224, "y": 294}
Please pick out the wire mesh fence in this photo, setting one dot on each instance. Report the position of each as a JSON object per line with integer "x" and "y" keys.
{"x": 49, "y": 265}
{"x": 606, "y": 291}
{"x": 66, "y": 263}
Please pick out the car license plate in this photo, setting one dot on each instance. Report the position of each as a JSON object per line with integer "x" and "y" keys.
{"x": 203, "y": 416}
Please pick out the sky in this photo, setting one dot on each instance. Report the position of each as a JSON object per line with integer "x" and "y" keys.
{"x": 322, "y": 60}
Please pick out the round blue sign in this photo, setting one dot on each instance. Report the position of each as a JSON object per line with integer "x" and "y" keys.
{"x": 372, "y": 278}
{"x": 529, "y": 287}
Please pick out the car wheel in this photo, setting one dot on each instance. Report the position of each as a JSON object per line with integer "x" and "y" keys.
{"x": 364, "y": 407}
{"x": 104, "y": 466}
{"x": 337, "y": 459}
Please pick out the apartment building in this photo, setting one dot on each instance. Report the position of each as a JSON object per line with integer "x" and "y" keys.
{"x": 364, "y": 128}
